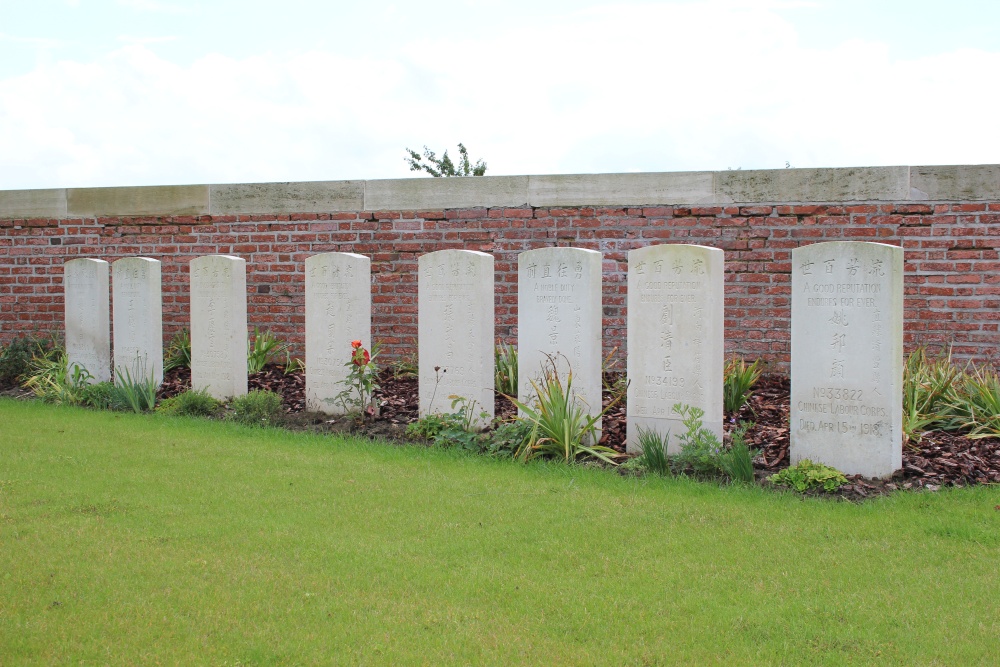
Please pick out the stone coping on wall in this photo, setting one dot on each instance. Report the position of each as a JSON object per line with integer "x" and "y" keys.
{"x": 702, "y": 188}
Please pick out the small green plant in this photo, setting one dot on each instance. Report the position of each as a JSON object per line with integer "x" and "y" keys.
{"x": 293, "y": 364}
{"x": 137, "y": 392}
{"x": 405, "y": 368}
{"x": 654, "y": 451}
{"x": 561, "y": 426}
{"x": 737, "y": 461}
{"x": 178, "y": 352}
{"x": 192, "y": 403}
{"x": 738, "y": 379}
{"x": 505, "y": 358}
{"x": 700, "y": 449}
{"x": 257, "y": 408}
{"x": 806, "y": 475}
{"x": 264, "y": 349}
{"x": 361, "y": 382}
{"x": 454, "y": 429}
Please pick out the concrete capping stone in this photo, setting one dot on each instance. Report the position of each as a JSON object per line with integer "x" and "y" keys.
{"x": 813, "y": 185}
{"x": 957, "y": 182}
{"x": 157, "y": 200}
{"x": 682, "y": 187}
{"x": 420, "y": 194}
{"x": 303, "y": 197}
{"x": 853, "y": 184}
{"x": 18, "y": 204}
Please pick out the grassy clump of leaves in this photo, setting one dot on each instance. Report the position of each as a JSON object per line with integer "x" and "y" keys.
{"x": 178, "y": 352}
{"x": 737, "y": 461}
{"x": 51, "y": 378}
{"x": 738, "y": 379}
{"x": 505, "y": 369}
{"x": 263, "y": 349}
{"x": 136, "y": 392}
{"x": 929, "y": 394}
{"x": 561, "y": 426}
{"x": 257, "y": 408}
{"x": 192, "y": 403}
{"x": 806, "y": 475}
{"x": 975, "y": 406}
{"x": 654, "y": 451}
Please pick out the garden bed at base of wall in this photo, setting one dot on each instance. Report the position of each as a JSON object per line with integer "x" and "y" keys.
{"x": 939, "y": 459}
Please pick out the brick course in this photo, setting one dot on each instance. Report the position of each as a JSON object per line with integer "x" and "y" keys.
{"x": 952, "y": 281}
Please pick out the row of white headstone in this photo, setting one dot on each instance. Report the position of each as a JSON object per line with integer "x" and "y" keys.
{"x": 846, "y": 335}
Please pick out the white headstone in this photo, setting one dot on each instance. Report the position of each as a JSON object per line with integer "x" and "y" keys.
{"x": 847, "y": 356}
{"x": 219, "y": 325}
{"x": 559, "y": 318}
{"x": 455, "y": 332}
{"x": 338, "y": 311}
{"x": 675, "y": 339}
{"x": 138, "y": 318}
{"x": 88, "y": 325}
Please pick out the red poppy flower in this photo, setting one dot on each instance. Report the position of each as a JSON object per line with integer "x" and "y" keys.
{"x": 361, "y": 357}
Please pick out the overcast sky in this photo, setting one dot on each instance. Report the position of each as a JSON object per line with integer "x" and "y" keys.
{"x": 146, "y": 92}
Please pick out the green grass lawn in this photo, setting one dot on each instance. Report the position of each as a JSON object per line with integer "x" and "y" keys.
{"x": 130, "y": 539}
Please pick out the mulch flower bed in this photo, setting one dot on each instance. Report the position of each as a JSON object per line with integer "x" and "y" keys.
{"x": 939, "y": 459}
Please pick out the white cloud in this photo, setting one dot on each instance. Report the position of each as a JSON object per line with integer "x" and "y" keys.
{"x": 647, "y": 88}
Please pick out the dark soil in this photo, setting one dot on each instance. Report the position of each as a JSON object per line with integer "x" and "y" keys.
{"x": 939, "y": 459}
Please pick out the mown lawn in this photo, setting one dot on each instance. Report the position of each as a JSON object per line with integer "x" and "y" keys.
{"x": 131, "y": 539}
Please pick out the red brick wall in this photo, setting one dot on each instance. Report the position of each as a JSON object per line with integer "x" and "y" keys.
{"x": 952, "y": 281}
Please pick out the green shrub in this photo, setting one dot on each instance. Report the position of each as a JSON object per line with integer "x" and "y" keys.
{"x": 738, "y": 380}
{"x": 654, "y": 451}
{"x": 192, "y": 403}
{"x": 507, "y": 438}
{"x": 257, "y": 408}
{"x": 700, "y": 449}
{"x": 15, "y": 357}
{"x": 806, "y": 475}
{"x": 100, "y": 396}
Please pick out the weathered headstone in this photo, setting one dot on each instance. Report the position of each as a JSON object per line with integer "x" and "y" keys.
{"x": 138, "y": 318}
{"x": 847, "y": 356}
{"x": 219, "y": 325}
{"x": 455, "y": 328}
{"x": 675, "y": 339}
{"x": 338, "y": 311}
{"x": 559, "y": 320}
{"x": 88, "y": 325}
